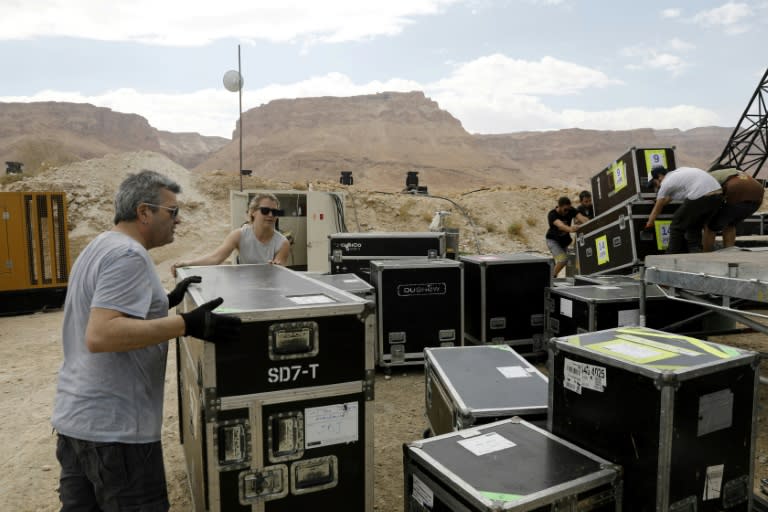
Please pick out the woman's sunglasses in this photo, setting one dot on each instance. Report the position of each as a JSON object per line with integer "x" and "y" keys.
{"x": 266, "y": 210}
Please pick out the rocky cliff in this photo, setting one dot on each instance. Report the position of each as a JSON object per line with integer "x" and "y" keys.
{"x": 53, "y": 133}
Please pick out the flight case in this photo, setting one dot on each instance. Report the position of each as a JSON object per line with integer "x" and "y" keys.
{"x": 626, "y": 179}
{"x": 466, "y": 386}
{"x": 505, "y": 299}
{"x": 510, "y": 465}
{"x": 353, "y": 252}
{"x": 420, "y": 303}
{"x": 677, "y": 413}
{"x": 616, "y": 242}
{"x": 282, "y": 419}
{"x": 589, "y": 308}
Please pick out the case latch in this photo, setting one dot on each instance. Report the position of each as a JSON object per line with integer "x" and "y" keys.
{"x": 269, "y": 483}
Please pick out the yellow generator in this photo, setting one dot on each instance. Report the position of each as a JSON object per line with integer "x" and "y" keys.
{"x": 34, "y": 251}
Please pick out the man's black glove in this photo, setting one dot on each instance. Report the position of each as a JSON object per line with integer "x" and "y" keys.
{"x": 204, "y": 324}
{"x": 177, "y": 295}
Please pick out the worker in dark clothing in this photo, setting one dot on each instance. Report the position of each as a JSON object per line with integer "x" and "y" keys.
{"x": 558, "y": 235}
{"x": 585, "y": 204}
{"x": 743, "y": 196}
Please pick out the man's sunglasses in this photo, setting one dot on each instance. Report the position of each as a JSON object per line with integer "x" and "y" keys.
{"x": 266, "y": 210}
{"x": 173, "y": 211}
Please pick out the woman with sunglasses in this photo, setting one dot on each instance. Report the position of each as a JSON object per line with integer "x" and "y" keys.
{"x": 256, "y": 241}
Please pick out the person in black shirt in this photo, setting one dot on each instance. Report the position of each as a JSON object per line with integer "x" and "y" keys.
{"x": 585, "y": 204}
{"x": 558, "y": 235}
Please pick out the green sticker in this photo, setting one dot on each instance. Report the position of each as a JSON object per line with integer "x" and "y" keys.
{"x": 601, "y": 248}
{"x": 619, "y": 174}
{"x": 655, "y": 158}
{"x": 500, "y": 496}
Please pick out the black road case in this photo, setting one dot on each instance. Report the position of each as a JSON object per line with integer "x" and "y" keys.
{"x": 353, "y": 252}
{"x": 677, "y": 413}
{"x": 420, "y": 303}
{"x": 282, "y": 419}
{"x": 509, "y": 465}
{"x": 466, "y": 386}
{"x": 505, "y": 299}
{"x": 626, "y": 179}
{"x": 615, "y": 241}
{"x": 589, "y": 308}
{"x": 755, "y": 224}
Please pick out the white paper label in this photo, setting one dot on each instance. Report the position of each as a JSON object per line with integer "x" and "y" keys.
{"x": 633, "y": 350}
{"x": 713, "y": 482}
{"x": 513, "y": 372}
{"x": 566, "y": 307}
{"x": 577, "y": 376}
{"x": 629, "y": 317}
{"x": 304, "y": 300}
{"x": 486, "y": 443}
{"x": 422, "y": 494}
{"x": 330, "y": 424}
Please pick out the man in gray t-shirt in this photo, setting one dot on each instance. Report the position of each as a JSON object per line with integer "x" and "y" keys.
{"x": 109, "y": 399}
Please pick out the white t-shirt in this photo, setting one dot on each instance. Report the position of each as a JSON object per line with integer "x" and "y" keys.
{"x": 111, "y": 396}
{"x": 687, "y": 183}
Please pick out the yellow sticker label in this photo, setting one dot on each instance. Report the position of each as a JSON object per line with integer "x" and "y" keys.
{"x": 662, "y": 234}
{"x": 618, "y": 172}
{"x": 655, "y": 158}
{"x": 601, "y": 249}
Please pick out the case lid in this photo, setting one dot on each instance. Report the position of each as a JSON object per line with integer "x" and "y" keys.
{"x": 500, "y": 259}
{"x": 511, "y": 465}
{"x": 348, "y": 282}
{"x": 488, "y": 379}
{"x": 415, "y": 263}
{"x": 268, "y": 291}
{"x": 618, "y": 292}
{"x": 651, "y": 352}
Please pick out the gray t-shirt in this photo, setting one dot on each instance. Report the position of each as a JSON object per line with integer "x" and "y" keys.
{"x": 111, "y": 396}
{"x": 252, "y": 251}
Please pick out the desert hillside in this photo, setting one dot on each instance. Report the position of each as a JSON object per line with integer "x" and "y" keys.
{"x": 50, "y": 134}
{"x": 378, "y": 137}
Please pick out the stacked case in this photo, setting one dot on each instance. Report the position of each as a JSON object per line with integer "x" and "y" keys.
{"x": 283, "y": 418}
{"x": 614, "y": 241}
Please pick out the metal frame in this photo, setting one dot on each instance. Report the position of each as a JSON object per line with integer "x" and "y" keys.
{"x": 720, "y": 276}
{"x": 747, "y": 149}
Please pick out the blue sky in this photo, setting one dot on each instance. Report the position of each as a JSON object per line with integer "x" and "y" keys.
{"x": 497, "y": 66}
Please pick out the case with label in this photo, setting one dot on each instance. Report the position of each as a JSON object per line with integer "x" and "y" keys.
{"x": 281, "y": 419}
{"x": 677, "y": 413}
{"x": 466, "y": 386}
{"x": 419, "y": 304}
{"x": 509, "y": 465}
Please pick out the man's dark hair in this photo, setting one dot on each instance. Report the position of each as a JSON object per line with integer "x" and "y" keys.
{"x": 658, "y": 171}
{"x": 584, "y": 194}
{"x": 564, "y": 201}
{"x": 143, "y": 187}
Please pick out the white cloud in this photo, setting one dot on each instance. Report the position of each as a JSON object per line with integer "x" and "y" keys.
{"x": 647, "y": 57}
{"x": 492, "y": 94}
{"x": 732, "y": 17}
{"x": 671, "y": 13}
{"x": 190, "y": 22}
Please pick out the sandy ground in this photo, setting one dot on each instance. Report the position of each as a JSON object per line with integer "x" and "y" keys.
{"x": 497, "y": 220}
{"x": 31, "y": 354}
